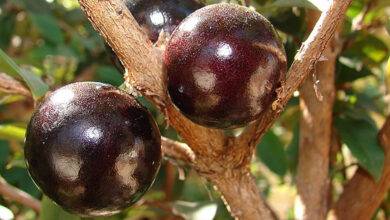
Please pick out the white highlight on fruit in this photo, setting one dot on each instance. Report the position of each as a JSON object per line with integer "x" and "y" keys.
{"x": 224, "y": 51}
{"x": 204, "y": 79}
{"x": 157, "y": 17}
{"x": 189, "y": 24}
{"x": 94, "y": 134}
{"x": 62, "y": 97}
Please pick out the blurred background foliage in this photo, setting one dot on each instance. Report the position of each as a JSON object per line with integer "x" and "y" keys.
{"x": 48, "y": 43}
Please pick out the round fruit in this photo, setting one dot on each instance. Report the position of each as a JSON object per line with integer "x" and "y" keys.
{"x": 155, "y": 16}
{"x": 224, "y": 63}
{"x": 92, "y": 148}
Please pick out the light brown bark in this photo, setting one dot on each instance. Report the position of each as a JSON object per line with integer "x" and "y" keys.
{"x": 217, "y": 157}
{"x": 236, "y": 197}
{"x": 316, "y": 103}
{"x": 362, "y": 195}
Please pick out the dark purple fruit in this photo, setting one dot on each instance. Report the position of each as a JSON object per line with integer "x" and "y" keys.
{"x": 224, "y": 63}
{"x": 92, "y": 148}
{"x": 155, "y": 16}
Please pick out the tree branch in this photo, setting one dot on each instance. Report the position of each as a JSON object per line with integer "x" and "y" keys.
{"x": 362, "y": 195}
{"x": 305, "y": 60}
{"x": 220, "y": 159}
{"x": 316, "y": 101}
{"x": 15, "y": 194}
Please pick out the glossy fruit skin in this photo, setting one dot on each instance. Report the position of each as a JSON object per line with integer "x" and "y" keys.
{"x": 92, "y": 149}
{"x": 224, "y": 63}
{"x": 155, "y": 16}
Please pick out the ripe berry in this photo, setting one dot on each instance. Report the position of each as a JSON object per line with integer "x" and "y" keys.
{"x": 92, "y": 148}
{"x": 155, "y": 16}
{"x": 224, "y": 63}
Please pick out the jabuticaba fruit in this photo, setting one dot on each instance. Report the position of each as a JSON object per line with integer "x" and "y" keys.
{"x": 224, "y": 63}
{"x": 92, "y": 148}
{"x": 156, "y": 16}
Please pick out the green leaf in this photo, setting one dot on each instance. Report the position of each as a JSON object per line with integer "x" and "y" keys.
{"x": 110, "y": 75}
{"x": 47, "y": 26}
{"x": 37, "y": 86}
{"x": 20, "y": 178}
{"x": 52, "y": 211}
{"x": 367, "y": 48}
{"x": 7, "y": 24}
{"x": 272, "y": 154}
{"x": 294, "y": 3}
{"x": 4, "y": 153}
{"x": 293, "y": 150}
{"x": 348, "y": 70}
{"x": 360, "y": 136}
{"x": 12, "y": 132}
{"x": 286, "y": 20}
{"x": 195, "y": 211}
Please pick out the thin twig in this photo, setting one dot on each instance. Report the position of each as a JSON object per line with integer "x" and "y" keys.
{"x": 177, "y": 150}
{"x": 19, "y": 196}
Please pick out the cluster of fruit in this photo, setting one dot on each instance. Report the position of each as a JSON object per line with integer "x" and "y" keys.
{"x": 95, "y": 150}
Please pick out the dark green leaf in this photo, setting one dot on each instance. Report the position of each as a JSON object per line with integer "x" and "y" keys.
{"x": 4, "y": 153}
{"x": 293, "y": 150}
{"x": 47, "y": 26}
{"x": 348, "y": 70}
{"x": 110, "y": 75}
{"x": 37, "y": 6}
{"x": 52, "y": 211}
{"x": 272, "y": 154}
{"x": 361, "y": 138}
{"x": 289, "y": 22}
{"x": 367, "y": 48}
{"x": 294, "y": 3}
{"x": 20, "y": 178}
{"x": 7, "y": 24}
{"x": 37, "y": 86}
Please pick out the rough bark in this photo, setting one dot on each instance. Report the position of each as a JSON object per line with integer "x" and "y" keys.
{"x": 15, "y": 194}
{"x": 236, "y": 197}
{"x": 222, "y": 160}
{"x": 316, "y": 103}
{"x": 362, "y": 195}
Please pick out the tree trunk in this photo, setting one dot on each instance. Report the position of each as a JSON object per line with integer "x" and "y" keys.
{"x": 316, "y": 102}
